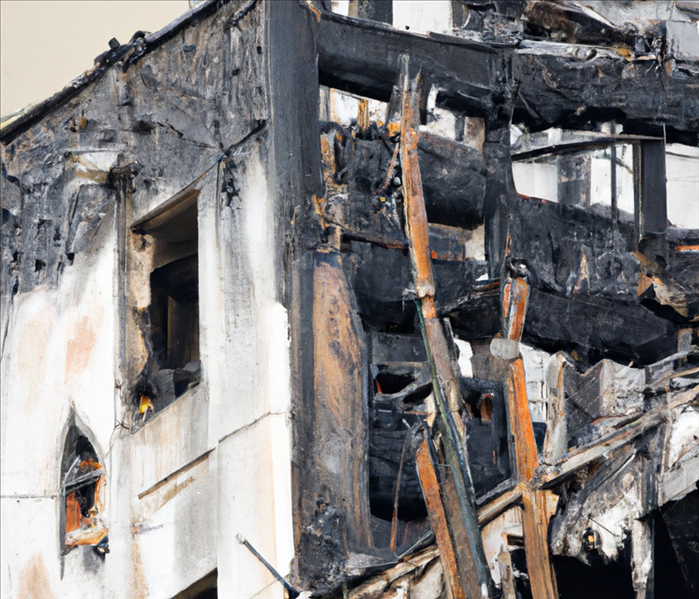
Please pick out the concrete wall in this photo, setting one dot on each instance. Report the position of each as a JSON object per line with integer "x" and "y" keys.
{"x": 215, "y": 463}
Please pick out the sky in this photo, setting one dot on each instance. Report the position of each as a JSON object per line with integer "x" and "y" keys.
{"x": 45, "y": 44}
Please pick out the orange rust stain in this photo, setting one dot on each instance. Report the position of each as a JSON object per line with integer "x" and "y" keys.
{"x": 688, "y": 248}
{"x": 140, "y": 586}
{"x": 175, "y": 490}
{"x": 80, "y": 347}
{"x": 72, "y": 513}
{"x": 34, "y": 580}
{"x": 438, "y": 519}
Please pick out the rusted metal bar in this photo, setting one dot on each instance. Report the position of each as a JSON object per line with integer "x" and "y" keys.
{"x": 394, "y": 520}
{"x": 472, "y": 575}
{"x": 293, "y": 593}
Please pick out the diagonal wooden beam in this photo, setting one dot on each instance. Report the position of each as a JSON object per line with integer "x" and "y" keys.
{"x": 515, "y": 294}
{"x": 472, "y": 576}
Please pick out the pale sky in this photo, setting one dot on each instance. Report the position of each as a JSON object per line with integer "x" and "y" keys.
{"x": 46, "y": 44}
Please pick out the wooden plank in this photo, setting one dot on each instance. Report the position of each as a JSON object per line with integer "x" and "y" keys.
{"x": 534, "y": 519}
{"x": 474, "y": 574}
{"x": 520, "y": 421}
{"x": 415, "y": 214}
{"x": 535, "y": 528}
{"x": 340, "y": 382}
{"x": 364, "y": 57}
{"x": 460, "y": 535}
{"x": 493, "y": 509}
{"x": 438, "y": 520}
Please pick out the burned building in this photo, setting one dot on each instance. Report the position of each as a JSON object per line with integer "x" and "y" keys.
{"x": 396, "y": 302}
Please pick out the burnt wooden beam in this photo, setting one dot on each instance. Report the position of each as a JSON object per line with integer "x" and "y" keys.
{"x": 329, "y": 363}
{"x": 363, "y": 57}
{"x": 438, "y": 520}
{"x": 631, "y": 331}
{"x": 558, "y": 89}
{"x": 472, "y": 576}
{"x": 515, "y": 295}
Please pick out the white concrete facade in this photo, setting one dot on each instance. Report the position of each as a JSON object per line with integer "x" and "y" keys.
{"x": 212, "y": 465}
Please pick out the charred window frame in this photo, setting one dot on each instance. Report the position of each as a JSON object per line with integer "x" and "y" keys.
{"x": 82, "y": 496}
{"x": 171, "y": 325}
{"x": 651, "y": 190}
{"x": 649, "y": 174}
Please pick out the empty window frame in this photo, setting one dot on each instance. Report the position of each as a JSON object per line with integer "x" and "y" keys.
{"x": 173, "y": 315}
{"x": 682, "y": 165}
{"x": 618, "y": 176}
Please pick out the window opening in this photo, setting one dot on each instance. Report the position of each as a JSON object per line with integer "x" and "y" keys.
{"x": 351, "y": 110}
{"x": 172, "y": 323}
{"x": 598, "y": 179}
{"x": 682, "y": 164}
{"x": 84, "y": 493}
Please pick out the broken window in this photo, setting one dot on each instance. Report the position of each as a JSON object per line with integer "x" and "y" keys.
{"x": 350, "y": 110}
{"x": 171, "y": 327}
{"x": 577, "y": 169}
{"x": 83, "y": 494}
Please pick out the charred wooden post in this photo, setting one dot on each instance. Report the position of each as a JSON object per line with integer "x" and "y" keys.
{"x": 472, "y": 578}
{"x": 515, "y": 294}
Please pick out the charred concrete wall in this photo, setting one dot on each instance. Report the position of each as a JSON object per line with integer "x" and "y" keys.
{"x": 189, "y": 105}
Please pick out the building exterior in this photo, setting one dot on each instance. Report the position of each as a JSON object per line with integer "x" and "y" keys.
{"x": 269, "y": 292}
